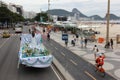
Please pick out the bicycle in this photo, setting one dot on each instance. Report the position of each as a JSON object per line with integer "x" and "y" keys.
{"x": 100, "y": 69}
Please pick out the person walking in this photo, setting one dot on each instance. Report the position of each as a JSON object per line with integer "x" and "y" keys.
{"x": 66, "y": 43}
{"x": 107, "y": 45}
{"x": 29, "y": 31}
{"x": 43, "y": 30}
{"x": 48, "y": 36}
{"x": 73, "y": 42}
{"x": 81, "y": 42}
{"x": 85, "y": 40}
{"x": 96, "y": 51}
{"x": 77, "y": 37}
{"x": 111, "y": 43}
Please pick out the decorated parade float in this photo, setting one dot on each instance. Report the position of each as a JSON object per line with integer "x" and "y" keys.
{"x": 33, "y": 53}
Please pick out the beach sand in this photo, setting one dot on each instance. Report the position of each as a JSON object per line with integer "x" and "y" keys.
{"x": 114, "y": 30}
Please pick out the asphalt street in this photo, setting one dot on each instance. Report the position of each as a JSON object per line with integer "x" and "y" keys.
{"x": 9, "y": 48}
{"x": 79, "y": 68}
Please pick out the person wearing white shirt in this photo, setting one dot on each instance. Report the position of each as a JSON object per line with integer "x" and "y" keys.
{"x": 96, "y": 51}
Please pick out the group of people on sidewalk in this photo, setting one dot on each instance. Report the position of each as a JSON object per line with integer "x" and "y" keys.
{"x": 83, "y": 41}
{"x": 99, "y": 56}
{"x": 46, "y": 31}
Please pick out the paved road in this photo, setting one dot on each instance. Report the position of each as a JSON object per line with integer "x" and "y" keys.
{"x": 9, "y": 48}
{"x": 76, "y": 66}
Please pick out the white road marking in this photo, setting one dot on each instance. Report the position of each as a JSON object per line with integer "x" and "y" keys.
{"x": 63, "y": 53}
{"x": 18, "y": 64}
{"x": 56, "y": 73}
{"x": 73, "y": 62}
{"x": 56, "y": 48}
{"x": 3, "y": 43}
{"x": 90, "y": 75}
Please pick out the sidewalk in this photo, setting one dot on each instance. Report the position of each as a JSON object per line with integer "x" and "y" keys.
{"x": 112, "y": 59}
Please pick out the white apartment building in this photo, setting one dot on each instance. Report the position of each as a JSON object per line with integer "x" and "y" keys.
{"x": 15, "y": 8}
{"x": 29, "y": 15}
{"x": 11, "y": 8}
{"x": 18, "y": 9}
{"x": 54, "y": 17}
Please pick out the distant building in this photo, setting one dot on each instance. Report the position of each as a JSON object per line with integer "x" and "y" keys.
{"x": 85, "y": 19}
{"x": 71, "y": 18}
{"x": 19, "y": 10}
{"x": 29, "y": 15}
{"x": 54, "y": 17}
{"x": 11, "y": 8}
{"x": 76, "y": 16}
{"x": 16, "y": 8}
{"x": 59, "y": 18}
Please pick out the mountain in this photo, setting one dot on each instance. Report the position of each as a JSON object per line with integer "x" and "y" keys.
{"x": 62, "y": 12}
{"x": 59, "y": 12}
{"x": 96, "y": 17}
{"x": 113, "y": 17}
{"x": 76, "y": 11}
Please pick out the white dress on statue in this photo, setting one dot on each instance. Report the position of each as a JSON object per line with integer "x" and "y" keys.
{"x": 33, "y": 43}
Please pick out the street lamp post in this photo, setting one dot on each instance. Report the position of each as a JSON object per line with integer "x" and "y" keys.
{"x": 48, "y": 4}
{"x": 108, "y": 18}
{"x": 48, "y": 10}
{"x": 0, "y": 3}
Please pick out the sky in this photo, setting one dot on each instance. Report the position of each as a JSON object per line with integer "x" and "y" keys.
{"x": 87, "y": 7}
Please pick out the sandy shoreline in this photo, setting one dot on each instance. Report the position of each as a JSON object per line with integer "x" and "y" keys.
{"x": 113, "y": 30}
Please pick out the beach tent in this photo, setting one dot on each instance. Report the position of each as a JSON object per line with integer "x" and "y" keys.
{"x": 70, "y": 25}
{"x": 83, "y": 26}
{"x": 65, "y": 24}
{"x": 94, "y": 26}
{"x": 58, "y": 25}
{"x": 88, "y": 26}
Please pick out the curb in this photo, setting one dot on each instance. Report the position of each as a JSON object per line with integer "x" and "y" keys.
{"x": 62, "y": 70}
